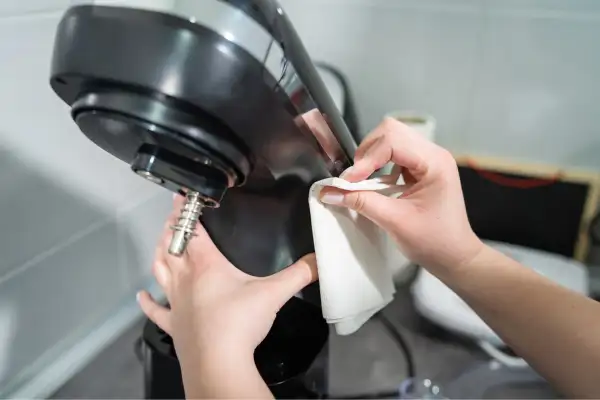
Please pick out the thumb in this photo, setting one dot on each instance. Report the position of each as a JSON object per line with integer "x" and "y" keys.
{"x": 374, "y": 206}
{"x": 286, "y": 283}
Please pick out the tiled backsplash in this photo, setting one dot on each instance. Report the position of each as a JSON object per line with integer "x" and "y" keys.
{"x": 514, "y": 78}
{"x": 77, "y": 228}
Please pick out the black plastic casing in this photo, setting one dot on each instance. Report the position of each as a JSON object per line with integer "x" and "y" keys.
{"x": 184, "y": 104}
{"x": 142, "y": 83}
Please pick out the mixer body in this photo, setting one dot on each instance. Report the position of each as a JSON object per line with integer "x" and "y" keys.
{"x": 221, "y": 103}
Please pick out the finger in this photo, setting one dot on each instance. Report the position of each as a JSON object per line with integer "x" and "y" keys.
{"x": 155, "y": 312}
{"x": 200, "y": 245}
{"x": 357, "y": 173}
{"x": 178, "y": 201}
{"x": 162, "y": 274}
{"x": 165, "y": 239}
{"x": 386, "y": 127}
{"x": 162, "y": 250}
{"x": 393, "y": 142}
{"x": 285, "y": 284}
{"x": 360, "y": 171}
{"x": 201, "y": 249}
{"x": 395, "y": 150}
{"x": 398, "y": 171}
{"x": 368, "y": 143}
{"x": 380, "y": 209}
{"x": 353, "y": 174}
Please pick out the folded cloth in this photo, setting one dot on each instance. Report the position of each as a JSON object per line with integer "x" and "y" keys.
{"x": 354, "y": 256}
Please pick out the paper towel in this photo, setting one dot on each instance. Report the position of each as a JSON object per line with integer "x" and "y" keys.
{"x": 355, "y": 257}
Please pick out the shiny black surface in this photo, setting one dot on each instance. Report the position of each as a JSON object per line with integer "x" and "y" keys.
{"x": 161, "y": 56}
{"x": 159, "y": 80}
{"x": 176, "y": 172}
{"x": 271, "y": 15}
{"x": 120, "y": 120}
{"x": 176, "y": 99}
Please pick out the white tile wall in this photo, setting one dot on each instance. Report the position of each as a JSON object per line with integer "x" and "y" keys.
{"x": 11, "y": 8}
{"x": 57, "y": 297}
{"x": 401, "y": 55}
{"x": 560, "y": 9}
{"x": 514, "y": 78}
{"x": 538, "y": 92}
{"x": 36, "y": 126}
{"x": 76, "y": 226}
{"x": 36, "y": 214}
{"x": 139, "y": 231}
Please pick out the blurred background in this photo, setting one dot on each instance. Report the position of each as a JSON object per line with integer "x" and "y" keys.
{"x": 508, "y": 79}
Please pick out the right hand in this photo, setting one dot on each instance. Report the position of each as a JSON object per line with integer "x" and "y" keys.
{"x": 429, "y": 221}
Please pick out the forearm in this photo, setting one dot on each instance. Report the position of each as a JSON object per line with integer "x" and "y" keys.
{"x": 218, "y": 376}
{"x": 555, "y": 330}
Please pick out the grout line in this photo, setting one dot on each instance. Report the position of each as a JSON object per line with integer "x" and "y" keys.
{"x": 438, "y": 7}
{"x": 534, "y": 14}
{"x": 400, "y": 5}
{"x": 121, "y": 211}
{"x": 55, "y": 249}
{"x": 38, "y": 14}
{"x": 115, "y": 218}
{"x": 122, "y": 255}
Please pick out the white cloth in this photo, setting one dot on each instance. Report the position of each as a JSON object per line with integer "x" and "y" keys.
{"x": 354, "y": 256}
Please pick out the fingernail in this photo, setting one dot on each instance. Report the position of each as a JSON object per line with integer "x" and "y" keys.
{"x": 335, "y": 199}
{"x": 175, "y": 195}
{"x": 137, "y": 296}
{"x": 346, "y": 172}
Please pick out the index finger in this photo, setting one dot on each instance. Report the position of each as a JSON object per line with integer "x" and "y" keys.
{"x": 202, "y": 247}
{"x": 199, "y": 245}
{"x": 391, "y": 141}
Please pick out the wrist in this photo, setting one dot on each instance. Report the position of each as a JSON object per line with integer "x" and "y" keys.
{"x": 480, "y": 257}
{"x": 472, "y": 250}
{"x": 204, "y": 357}
{"x": 209, "y": 374}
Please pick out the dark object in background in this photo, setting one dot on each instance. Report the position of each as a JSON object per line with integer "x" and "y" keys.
{"x": 548, "y": 215}
{"x": 298, "y": 335}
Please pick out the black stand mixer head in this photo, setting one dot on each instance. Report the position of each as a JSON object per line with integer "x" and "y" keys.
{"x": 223, "y": 106}
{"x": 197, "y": 104}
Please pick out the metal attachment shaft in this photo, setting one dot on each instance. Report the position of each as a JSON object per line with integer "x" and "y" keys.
{"x": 185, "y": 228}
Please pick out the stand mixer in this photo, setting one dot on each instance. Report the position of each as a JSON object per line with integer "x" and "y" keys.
{"x": 225, "y": 107}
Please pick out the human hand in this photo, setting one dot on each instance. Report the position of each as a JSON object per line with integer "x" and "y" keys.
{"x": 218, "y": 314}
{"x": 429, "y": 221}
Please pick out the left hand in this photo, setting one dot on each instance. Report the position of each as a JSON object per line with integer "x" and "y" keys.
{"x": 216, "y": 309}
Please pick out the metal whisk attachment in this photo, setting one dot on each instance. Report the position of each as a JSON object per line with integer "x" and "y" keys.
{"x": 184, "y": 231}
